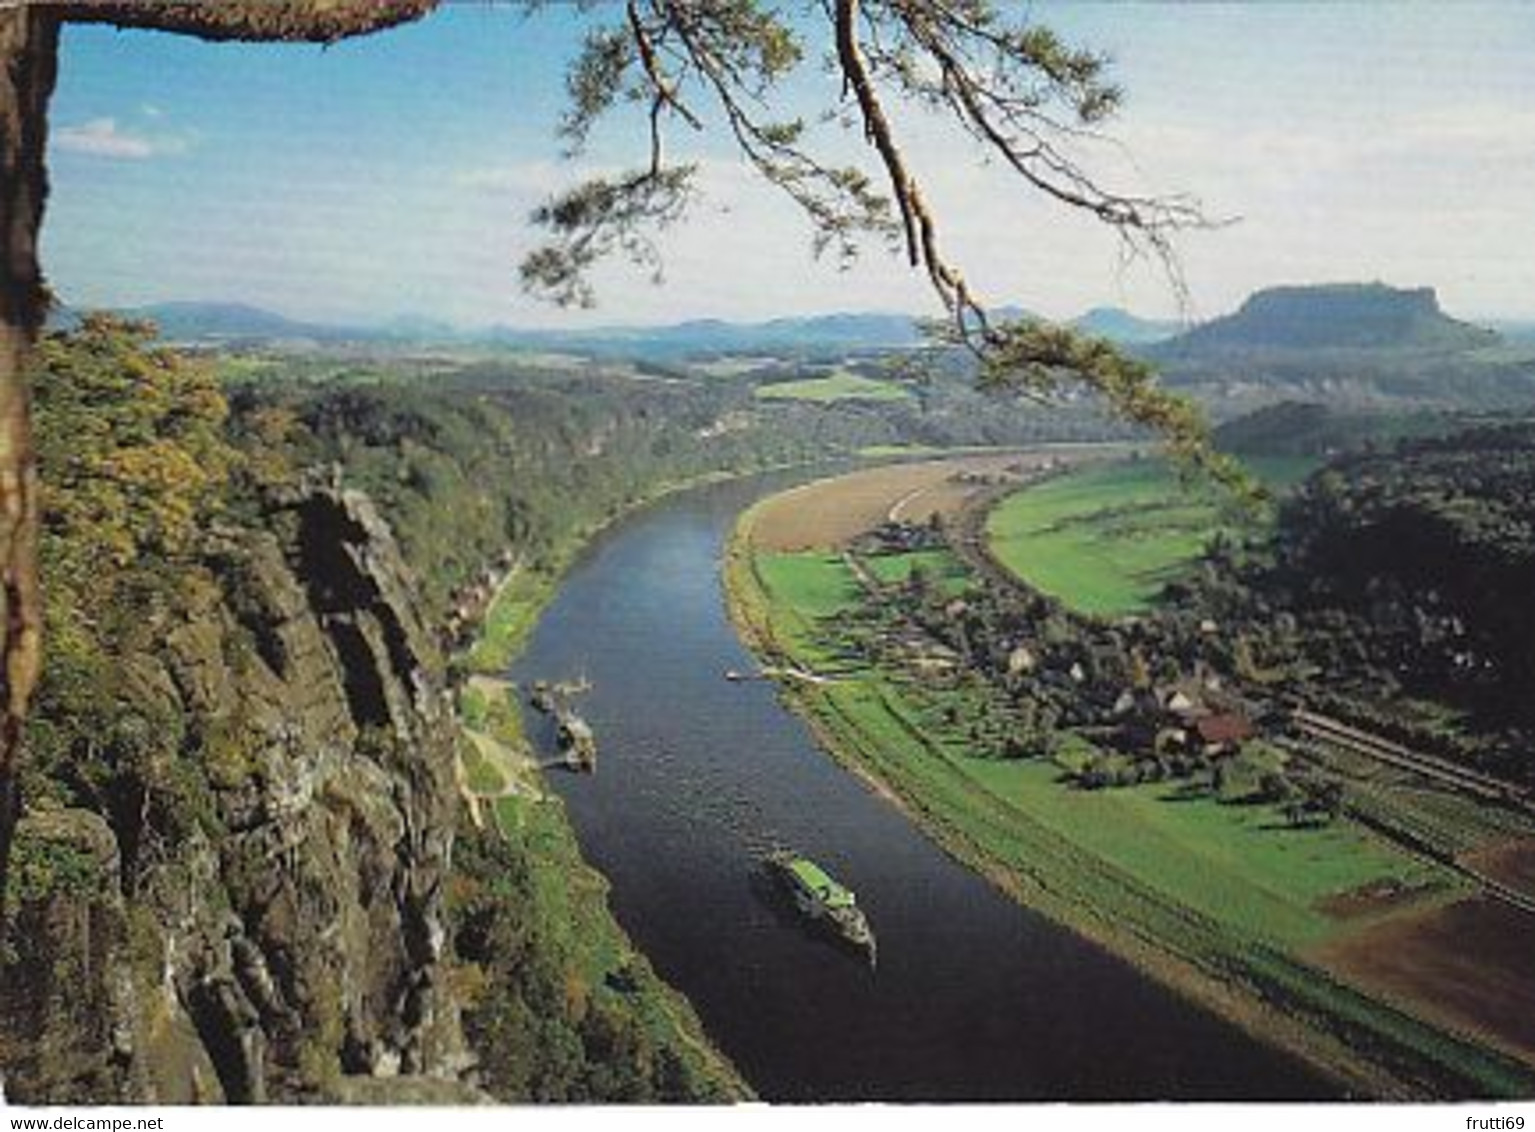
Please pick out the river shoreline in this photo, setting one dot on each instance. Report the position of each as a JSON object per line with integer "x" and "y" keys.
{"x": 1240, "y": 990}
{"x": 499, "y": 639}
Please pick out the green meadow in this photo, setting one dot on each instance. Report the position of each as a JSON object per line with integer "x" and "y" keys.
{"x": 839, "y": 386}
{"x": 1106, "y": 538}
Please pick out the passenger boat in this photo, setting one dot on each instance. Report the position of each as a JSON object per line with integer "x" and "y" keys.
{"x": 824, "y": 900}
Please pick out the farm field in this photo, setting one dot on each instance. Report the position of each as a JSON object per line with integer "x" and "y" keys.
{"x": 1106, "y": 539}
{"x": 1512, "y": 862}
{"x": 829, "y": 513}
{"x": 1267, "y": 922}
{"x": 839, "y": 386}
{"x": 1467, "y": 964}
{"x": 940, "y": 567}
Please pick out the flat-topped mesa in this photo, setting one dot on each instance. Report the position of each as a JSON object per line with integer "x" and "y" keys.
{"x": 1334, "y": 316}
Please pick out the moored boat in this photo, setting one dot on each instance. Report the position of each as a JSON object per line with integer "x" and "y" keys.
{"x": 577, "y": 740}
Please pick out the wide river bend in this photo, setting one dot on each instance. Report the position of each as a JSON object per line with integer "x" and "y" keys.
{"x": 975, "y": 998}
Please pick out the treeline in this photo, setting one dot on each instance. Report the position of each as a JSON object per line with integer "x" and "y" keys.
{"x": 1311, "y": 428}
{"x": 1396, "y": 590}
{"x": 495, "y": 455}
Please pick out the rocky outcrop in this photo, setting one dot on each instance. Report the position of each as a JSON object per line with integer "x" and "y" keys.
{"x": 257, "y": 913}
{"x": 67, "y": 1015}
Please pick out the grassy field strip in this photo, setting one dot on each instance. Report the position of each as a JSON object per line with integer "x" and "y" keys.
{"x": 839, "y": 386}
{"x": 1204, "y": 895}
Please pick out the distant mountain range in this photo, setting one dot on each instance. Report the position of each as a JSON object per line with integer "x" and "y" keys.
{"x": 1350, "y": 344}
{"x": 225, "y": 323}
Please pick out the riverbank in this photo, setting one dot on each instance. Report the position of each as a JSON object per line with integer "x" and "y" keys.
{"x": 1013, "y": 835}
{"x": 514, "y": 609}
{"x": 528, "y": 831}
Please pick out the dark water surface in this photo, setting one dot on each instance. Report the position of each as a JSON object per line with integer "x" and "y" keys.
{"x": 975, "y": 998}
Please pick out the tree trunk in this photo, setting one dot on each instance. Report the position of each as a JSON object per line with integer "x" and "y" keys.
{"x": 28, "y": 60}
{"x": 309, "y": 21}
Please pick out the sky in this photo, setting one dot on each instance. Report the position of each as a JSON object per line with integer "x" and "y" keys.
{"x": 393, "y": 175}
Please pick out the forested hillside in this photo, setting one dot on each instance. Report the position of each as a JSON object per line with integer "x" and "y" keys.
{"x": 237, "y": 877}
{"x": 1395, "y": 591}
{"x": 1436, "y": 543}
{"x": 499, "y": 456}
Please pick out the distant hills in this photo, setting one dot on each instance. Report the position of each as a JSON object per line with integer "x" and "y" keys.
{"x": 194, "y": 321}
{"x": 1343, "y": 316}
{"x": 1119, "y": 325}
{"x": 1334, "y": 316}
{"x": 1348, "y": 345}
{"x": 222, "y": 323}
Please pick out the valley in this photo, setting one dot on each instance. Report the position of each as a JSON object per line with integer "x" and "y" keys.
{"x": 988, "y": 612}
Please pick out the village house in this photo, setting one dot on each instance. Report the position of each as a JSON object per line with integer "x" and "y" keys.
{"x": 1223, "y": 734}
{"x": 894, "y": 537}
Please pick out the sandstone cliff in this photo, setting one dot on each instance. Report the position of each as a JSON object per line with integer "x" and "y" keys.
{"x": 253, "y": 911}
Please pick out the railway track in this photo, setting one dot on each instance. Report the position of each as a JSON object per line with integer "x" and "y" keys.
{"x": 1328, "y": 730}
{"x": 1344, "y": 735}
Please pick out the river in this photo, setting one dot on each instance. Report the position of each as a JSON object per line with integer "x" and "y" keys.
{"x": 974, "y": 998}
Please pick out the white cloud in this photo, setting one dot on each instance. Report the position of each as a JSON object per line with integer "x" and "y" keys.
{"x": 102, "y": 137}
{"x": 529, "y": 178}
